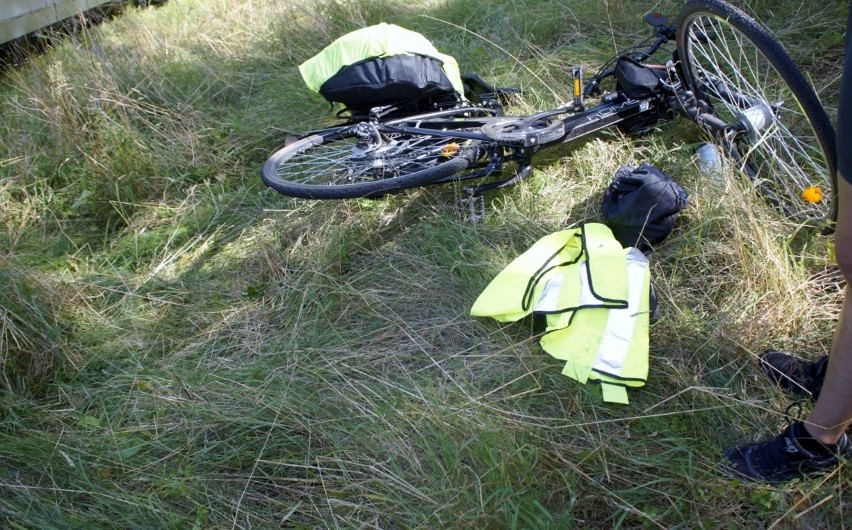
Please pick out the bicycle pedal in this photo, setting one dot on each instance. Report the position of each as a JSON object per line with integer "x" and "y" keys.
{"x": 471, "y": 208}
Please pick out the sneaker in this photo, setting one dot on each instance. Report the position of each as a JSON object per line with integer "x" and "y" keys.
{"x": 794, "y": 374}
{"x": 791, "y": 454}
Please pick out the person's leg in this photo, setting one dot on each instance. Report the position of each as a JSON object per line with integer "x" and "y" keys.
{"x": 832, "y": 413}
{"x": 816, "y": 443}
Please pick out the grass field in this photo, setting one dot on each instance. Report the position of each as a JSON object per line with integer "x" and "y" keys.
{"x": 182, "y": 348}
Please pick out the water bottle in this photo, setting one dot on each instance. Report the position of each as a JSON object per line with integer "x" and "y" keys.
{"x": 710, "y": 161}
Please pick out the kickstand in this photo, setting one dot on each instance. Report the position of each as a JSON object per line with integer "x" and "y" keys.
{"x": 471, "y": 207}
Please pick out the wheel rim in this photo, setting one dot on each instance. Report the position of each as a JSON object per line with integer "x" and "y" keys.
{"x": 777, "y": 145}
{"x": 350, "y": 160}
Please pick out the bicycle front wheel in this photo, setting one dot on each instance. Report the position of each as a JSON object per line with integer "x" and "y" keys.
{"x": 779, "y": 133}
{"x": 368, "y": 160}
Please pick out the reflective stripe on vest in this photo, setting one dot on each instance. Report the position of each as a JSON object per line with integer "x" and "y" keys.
{"x": 609, "y": 345}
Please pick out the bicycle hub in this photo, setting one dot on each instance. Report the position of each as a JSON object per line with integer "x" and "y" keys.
{"x": 757, "y": 118}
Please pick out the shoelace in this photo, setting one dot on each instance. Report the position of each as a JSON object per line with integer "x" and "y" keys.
{"x": 774, "y": 459}
{"x": 797, "y": 417}
{"x": 780, "y": 457}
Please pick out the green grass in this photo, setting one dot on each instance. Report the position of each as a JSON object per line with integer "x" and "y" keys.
{"x": 182, "y": 348}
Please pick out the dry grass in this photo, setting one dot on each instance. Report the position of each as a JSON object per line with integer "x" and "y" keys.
{"x": 233, "y": 358}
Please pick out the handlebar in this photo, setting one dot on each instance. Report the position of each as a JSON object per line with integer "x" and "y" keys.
{"x": 664, "y": 32}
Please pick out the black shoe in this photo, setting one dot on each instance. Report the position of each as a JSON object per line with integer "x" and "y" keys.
{"x": 794, "y": 374}
{"x": 791, "y": 454}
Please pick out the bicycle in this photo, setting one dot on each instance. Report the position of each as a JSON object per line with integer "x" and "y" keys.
{"x": 727, "y": 74}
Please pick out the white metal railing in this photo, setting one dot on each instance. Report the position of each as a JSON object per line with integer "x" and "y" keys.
{"x": 21, "y": 17}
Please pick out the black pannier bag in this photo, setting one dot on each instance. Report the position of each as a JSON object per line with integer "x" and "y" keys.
{"x": 384, "y": 65}
{"x": 411, "y": 82}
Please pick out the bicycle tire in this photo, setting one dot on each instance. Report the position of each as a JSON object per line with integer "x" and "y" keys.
{"x": 337, "y": 164}
{"x": 732, "y": 62}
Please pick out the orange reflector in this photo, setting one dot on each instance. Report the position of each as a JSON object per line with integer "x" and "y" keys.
{"x": 812, "y": 194}
{"x": 450, "y": 150}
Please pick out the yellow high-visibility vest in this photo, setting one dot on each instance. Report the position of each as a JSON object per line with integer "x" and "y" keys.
{"x": 595, "y": 296}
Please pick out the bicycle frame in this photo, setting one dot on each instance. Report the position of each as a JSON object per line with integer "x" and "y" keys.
{"x": 575, "y": 126}
{"x": 615, "y": 108}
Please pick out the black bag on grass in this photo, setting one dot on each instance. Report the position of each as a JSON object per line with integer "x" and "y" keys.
{"x": 641, "y": 204}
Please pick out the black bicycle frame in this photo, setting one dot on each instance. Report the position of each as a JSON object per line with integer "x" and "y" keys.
{"x": 576, "y": 125}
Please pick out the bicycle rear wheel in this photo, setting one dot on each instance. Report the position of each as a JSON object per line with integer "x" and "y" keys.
{"x": 779, "y": 133}
{"x": 369, "y": 160}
